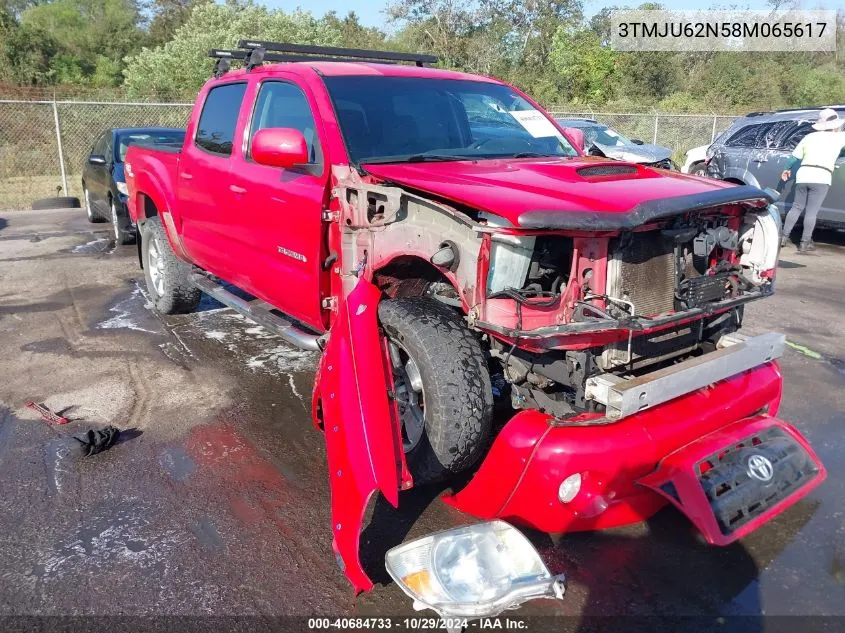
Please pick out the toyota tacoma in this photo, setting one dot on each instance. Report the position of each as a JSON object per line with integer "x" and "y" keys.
{"x": 562, "y": 329}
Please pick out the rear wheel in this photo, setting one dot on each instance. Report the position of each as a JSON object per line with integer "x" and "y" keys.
{"x": 441, "y": 385}
{"x": 168, "y": 277}
{"x": 699, "y": 169}
{"x": 121, "y": 226}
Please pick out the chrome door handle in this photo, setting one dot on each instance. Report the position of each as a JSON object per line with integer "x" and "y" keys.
{"x": 236, "y": 189}
{"x": 185, "y": 176}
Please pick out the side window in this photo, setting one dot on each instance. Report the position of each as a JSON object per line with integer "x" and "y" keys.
{"x": 216, "y": 129}
{"x": 99, "y": 148}
{"x": 798, "y": 132}
{"x": 282, "y": 104}
{"x": 109, "y": 148}
{"x": 750, "y": 136}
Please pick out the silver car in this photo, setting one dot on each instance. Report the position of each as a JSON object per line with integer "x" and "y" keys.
{"x": 601, "y": 140}
{"x": 755, "y": 150}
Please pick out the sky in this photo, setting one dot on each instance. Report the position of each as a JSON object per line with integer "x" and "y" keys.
{"x": 370, "y": 12}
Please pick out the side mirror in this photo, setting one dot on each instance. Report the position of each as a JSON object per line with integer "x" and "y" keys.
{"x": 97, "y": 159}
{"x": 637, "y": 141}
{"x": 279, "y": 147}
{"x": 575, "y": 136}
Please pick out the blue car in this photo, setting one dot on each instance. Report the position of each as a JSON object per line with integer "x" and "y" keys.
{"x": 103, "y": 183}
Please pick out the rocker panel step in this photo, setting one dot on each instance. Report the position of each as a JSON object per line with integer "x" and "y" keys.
{"x": 258, "y": 312}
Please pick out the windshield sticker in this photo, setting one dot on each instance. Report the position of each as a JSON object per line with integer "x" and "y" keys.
{"x": 610, "y": 132}
{"x": 535, "y": 123}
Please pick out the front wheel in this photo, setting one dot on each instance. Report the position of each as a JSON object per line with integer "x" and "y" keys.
{"x": 168, "y": 277}
{"x": 441, "y": 386}
{"x": 90, "y": 211}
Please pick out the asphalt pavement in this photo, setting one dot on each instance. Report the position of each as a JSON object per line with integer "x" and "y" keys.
{"x": 215, "y": 502}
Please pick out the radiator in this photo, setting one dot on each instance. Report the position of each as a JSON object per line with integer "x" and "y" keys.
{"x": 641, "y": 269}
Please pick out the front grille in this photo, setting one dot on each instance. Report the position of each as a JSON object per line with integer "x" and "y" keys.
{"x": 735, "y": 496}
{"x": 641, "y": 269}
{"x": 606, "y": 170}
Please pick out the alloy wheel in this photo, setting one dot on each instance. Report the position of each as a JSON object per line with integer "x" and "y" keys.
{"x": 88, "y": 204}
{"x": 409, "y": 394}
{"x": 114, "y": 222}
{"x": 156, "y": 264}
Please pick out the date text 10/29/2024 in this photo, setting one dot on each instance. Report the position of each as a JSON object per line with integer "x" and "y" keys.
{"x": 418, "y": 624}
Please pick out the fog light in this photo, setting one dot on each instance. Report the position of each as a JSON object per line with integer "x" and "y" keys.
{"x": 569, "y": 488}
{"x": 472, "y": 572}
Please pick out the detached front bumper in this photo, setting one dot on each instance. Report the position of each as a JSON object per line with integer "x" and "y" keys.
{"x": 629, "y": 469}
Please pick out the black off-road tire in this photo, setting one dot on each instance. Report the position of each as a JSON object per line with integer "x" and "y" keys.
{"x": 458, "y": 398}
{"x": 177, "y": 295}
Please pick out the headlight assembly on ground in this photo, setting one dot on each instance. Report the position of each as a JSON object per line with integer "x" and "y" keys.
{"x": 473, "y": 571}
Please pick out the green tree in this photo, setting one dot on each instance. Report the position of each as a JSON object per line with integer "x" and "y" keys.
{"x": 353, "y": 34}
{"x": 180, "y": 67}
{"x": 586, "y": 68}
{"x": 438, "y": 26}
{"x": 91, "y": 36}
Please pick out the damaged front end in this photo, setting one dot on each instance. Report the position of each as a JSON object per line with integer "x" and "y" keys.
{"x": 611, "y": 337}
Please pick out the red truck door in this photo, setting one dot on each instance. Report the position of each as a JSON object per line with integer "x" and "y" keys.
{"x": 202, "y": 179}
{"x": 274, "y": 225}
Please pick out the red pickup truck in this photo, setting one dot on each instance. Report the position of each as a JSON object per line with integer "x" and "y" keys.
{"x": 486, "y": 298}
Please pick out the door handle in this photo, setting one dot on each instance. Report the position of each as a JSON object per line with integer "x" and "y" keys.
{"x": 236, "y": 189}
{"x": 185, "y": 176}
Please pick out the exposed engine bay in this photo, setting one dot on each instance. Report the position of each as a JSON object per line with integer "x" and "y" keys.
{"x": 709, "y": 263}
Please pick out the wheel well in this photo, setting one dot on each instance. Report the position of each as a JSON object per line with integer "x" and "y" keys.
{"x": 408, "y": 276}
{"x": 150, "y": 209}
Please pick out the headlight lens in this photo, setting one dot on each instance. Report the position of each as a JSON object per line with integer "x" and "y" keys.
{"x": 122, "y": 188}
{"x": 473, "y": 571}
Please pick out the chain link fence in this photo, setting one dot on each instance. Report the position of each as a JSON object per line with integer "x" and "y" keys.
{"x": 43, "y": 144}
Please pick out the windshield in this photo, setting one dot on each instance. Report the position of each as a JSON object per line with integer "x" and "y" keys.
{"x": 603, "y": 135}
{"x": 409, "y": 119}
{"x": 164, "y": 137}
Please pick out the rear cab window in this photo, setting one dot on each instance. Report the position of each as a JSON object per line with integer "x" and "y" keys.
{"x": 216, "y": 128}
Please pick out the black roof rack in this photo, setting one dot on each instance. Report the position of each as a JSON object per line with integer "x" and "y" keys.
{"x": 348, "y": 54}
{"x": 254, "y": 52}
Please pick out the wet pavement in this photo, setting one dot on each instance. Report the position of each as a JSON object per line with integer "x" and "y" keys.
{"x": 215, "y": 502}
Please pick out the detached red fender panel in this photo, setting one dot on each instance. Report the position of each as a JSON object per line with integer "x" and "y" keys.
{"x": 361, "y": 442}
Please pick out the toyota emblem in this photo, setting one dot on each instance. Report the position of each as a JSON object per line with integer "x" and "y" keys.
{"x": 760, "y": 468}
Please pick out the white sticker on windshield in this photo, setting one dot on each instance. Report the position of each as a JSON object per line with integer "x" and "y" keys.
{"x": 535, "y": 123}
{"x": 610, "y": 132}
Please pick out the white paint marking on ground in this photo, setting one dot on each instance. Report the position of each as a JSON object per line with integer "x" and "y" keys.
{"x": 123, "y": 315}
{"x": 91, "y": 247}
{"x": 293, "y": 388}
